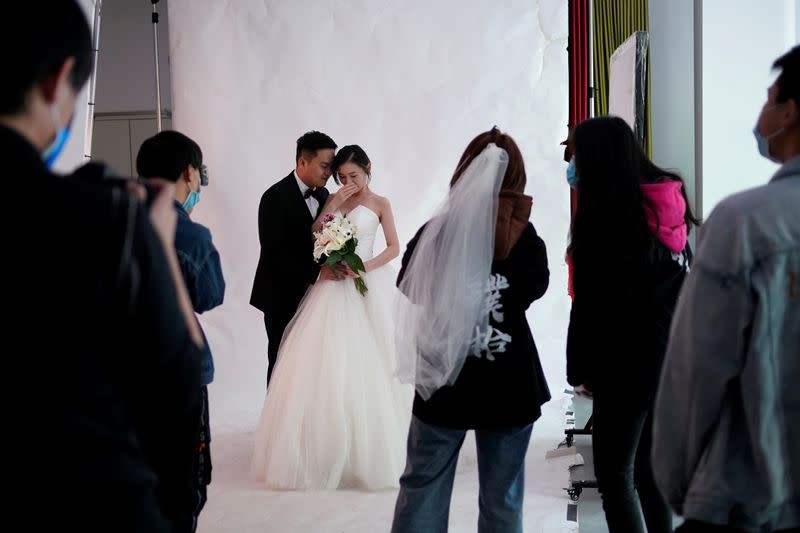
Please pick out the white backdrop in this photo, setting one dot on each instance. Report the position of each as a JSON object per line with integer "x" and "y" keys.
{"x": 411, "y": 82}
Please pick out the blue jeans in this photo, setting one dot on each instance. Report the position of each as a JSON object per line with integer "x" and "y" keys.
{"x": 423, "y": 505}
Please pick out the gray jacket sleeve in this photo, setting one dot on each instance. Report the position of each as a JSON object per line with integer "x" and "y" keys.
{"x": 705, "y": 354}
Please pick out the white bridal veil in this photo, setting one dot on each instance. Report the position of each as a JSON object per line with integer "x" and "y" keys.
{"x": 441, "y": 310}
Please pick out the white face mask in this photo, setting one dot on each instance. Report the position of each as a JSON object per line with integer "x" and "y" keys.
{"x": 763, "y": 141}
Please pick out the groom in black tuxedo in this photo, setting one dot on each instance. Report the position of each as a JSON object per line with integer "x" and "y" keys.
{"x": 286, "y": 266}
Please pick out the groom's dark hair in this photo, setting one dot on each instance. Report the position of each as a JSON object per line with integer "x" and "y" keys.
{"x": 308, "y": 144}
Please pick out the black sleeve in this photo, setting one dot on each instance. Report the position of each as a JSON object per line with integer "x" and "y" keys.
{"x": 412, "y": 244}
{"x": 604, "y": 285}
{"x": 271, "y": 228}
{"x": 577, "y": 370}
{"x": 531, "y": 273}
{"x": 169, "y": 365}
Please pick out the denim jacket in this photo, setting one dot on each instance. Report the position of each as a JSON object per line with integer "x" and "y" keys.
{"x": 726, "y": 433}
{"x": 202, "y": 272}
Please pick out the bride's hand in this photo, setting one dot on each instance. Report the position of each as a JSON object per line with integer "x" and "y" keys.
{"x": 343, "y": 194}
{"x": 346, "y": 271}
{"x": 328, "y": 274}
{"x": 337, "y": 273}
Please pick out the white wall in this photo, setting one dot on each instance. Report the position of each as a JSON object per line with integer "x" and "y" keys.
{"x": 739, "y": 46}
{"x": 126, "y": 102}
{"x": 737, "y": 42}
{"x": 672, "y": 86}
{"x": 797, "y": 22}
{"x": 411, "y": 83}
{"x": 126, "y": 67}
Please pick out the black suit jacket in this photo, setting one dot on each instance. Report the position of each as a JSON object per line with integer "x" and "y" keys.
{"x": 286, "y": 266}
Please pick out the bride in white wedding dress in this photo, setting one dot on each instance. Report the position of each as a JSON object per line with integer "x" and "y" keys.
{"x": 334, "y": 415}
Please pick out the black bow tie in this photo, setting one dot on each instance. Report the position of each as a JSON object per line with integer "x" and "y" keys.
{"x": 311, "y": 192}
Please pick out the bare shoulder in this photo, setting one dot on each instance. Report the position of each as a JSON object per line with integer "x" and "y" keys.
{"x": 381, "y": 204}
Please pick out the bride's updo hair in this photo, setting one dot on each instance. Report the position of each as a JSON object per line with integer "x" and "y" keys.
{"x": 352, "y": 153}
{"x": 515, "y": 178}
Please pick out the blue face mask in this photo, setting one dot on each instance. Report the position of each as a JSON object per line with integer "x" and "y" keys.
{"x": 54, "y": 149}
{"x": 763, "y": 142}
{"x": 192, "y": 199}
{"x": 572, "y": 174}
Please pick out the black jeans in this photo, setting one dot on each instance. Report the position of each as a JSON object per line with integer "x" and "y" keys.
{"x": 621, "y": 442}
{"x": 693, "y": 526}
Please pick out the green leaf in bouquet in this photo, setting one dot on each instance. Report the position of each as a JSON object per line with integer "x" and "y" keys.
{"x": 355, "y": 263}
{"x": 360, "y": 285}
{"x": 334, "y": 258}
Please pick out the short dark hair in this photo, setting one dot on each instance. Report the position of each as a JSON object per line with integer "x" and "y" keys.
{"x": 166, "y": 155}
{"x": 351, "y": 153}
{"x": 48, "y": 33}
{"x": 789, "y": 81}
{"x": 312, "y": 141}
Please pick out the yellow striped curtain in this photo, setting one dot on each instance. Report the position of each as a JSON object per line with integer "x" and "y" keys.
{"x": 614, "y": 22}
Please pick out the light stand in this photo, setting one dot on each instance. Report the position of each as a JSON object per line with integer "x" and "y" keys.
{"x": 158, "y": 78}
{"x": 98, "y": 7}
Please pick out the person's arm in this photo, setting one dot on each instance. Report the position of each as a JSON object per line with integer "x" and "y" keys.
{"x": 704, "y": 356}
{"x": 167, "y": 368}
{"x": 531, "y": 273}
{"x": 577, "y": 349}
{"x": 407, "y": 255}
{"x": 203, "y": 276}
{"x": 163, "y": 219}
{"x": 392, "y": 249}
{"x": 700, "y": 364}
{"x": 599, "y": 287}
{"x": 333, "y": 203}
{"x": 271, "y": 229}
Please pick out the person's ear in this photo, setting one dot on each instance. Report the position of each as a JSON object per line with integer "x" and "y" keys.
{"x": 58, "y": 82}
{"x": 790, "y": 113}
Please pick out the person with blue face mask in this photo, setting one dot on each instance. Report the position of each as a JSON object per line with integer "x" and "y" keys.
{"x": 56, "y": 147}
{"x": 731, "y": 369}
{"x": 175, "y": 157}
{"x": 104, "y": 384}
{"x": 572, "y": 174}
{"x": 769, "y": 113}
{"x": 194, "y": 195}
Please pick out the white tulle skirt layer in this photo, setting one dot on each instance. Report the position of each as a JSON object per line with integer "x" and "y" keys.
{"x": 334, "y": 415}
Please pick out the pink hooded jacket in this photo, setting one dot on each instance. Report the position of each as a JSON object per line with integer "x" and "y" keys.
{"x": 665, "y": 209}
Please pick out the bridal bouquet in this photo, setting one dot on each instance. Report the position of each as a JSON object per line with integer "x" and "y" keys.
{"x": 336, "y": 243}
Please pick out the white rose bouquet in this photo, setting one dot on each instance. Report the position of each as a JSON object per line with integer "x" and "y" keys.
{"x": 336, "y": 243}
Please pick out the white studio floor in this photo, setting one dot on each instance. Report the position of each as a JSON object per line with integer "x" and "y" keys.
{"x": 238, "y": 504}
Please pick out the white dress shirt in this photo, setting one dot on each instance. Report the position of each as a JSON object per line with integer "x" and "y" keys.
{"x": 311, "y": 202}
